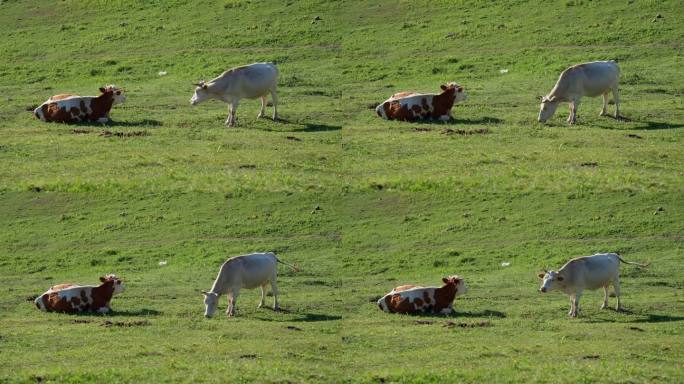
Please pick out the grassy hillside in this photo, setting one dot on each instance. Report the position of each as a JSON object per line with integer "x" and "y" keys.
{"x": 360, "y": 204}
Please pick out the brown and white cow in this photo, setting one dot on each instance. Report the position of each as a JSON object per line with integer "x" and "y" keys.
{"x": 72, "y": 298}
{"x": 418, "y": 299}
{"x": 69, "y": 108}
{"x": 412, "y": 106}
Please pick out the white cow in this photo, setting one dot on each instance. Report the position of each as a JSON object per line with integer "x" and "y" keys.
{"x": 588, "y": 272}
{"x": 588, "y": 79}
{"x": 247, "y": 271}
{"x": 249, "y": 81}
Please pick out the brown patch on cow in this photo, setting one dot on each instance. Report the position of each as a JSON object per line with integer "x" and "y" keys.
{"x": 62, "y": 96}
{"x": 101, "y": 105}
{"x": 425, "y": 104}
{"x": 445, "y": 295}
{"x": 426, "y": 297}
{"x": 75, "y": 113}
{"x": 401, "y": 112}
{"x": 405, "y": 287}
{"x": 417, "y": 109}
{"x": 75, "y": 302}
{"x": 53, "y": 112}
{"x": 101, "y": 295}
{"x": 443, "y": 102}
{"x": 401, "y": 305}
{"x": 418, "y": 302}
{"x": 58, "y": 304}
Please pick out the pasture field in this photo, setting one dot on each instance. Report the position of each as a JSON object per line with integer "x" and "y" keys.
{"x": 359, "y": 204}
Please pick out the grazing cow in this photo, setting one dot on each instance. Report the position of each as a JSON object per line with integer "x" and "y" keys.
{"x": 249, "y": 81}
{"x": 415, "y": 298}
{"x": 588, "y": 272}
{"x": 588, "y": 79}
{"x": 412, "y": 106}
{"x": 71, "y": 298}
{"x": 247, "y": 271}
{"x": 68, "y": 108}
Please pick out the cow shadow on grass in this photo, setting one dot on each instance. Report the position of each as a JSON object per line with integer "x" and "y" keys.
{"x": 644, "y": 318}
{"x": 116, "y": 313}
{"x": 644, "y": 125}
{"x": 115, "y": 123}
{"x": 300, "y": 317}
{"x": 296, "y": 126}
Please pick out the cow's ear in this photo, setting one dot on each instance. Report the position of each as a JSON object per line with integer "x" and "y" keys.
{"x": 204, "y": 86}
{"x": 444, "y": 87}
{"x": 445, "y": 280}
{"x": 541, "y": 275}
{"x": 559, "y": 278}
{"x": 102, "y": 90}
{"x": 102, "y": 279}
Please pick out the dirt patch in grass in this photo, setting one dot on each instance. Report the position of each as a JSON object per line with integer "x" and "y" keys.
{"x": 293, "y": 138}
{"x": 589, "y": 164}
{"x": 479, "y": 324}
{"x": 80, "y": 321}
{"x": 77, "y": 131}
{"x": 293, "y": 328}
{"x": 464, "y": 132}
{"x": 123, "y": 134}
{"x": 125, "y": 324}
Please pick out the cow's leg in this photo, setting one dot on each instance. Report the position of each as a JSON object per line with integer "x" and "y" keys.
{"x": 605, "y": 297}
{"x": 604, "y": 110}
{"x": 102, "y": 120}
{"x": 103, "y": 310}
{"x": 274, "y": 288}
{"x": 233, "y": 302}
{"x": 274, "y": 98}
{"x": 616, "y": 98}
{"x": 574, "y": 106}
{"x": 446, "y": 311}
{"x": 232, "y": 110}
{"x": 616, "y": 286}
{"x": 263, "y": 107}
{"x": 574, "y": 304}
{"x": 263, "y": 295}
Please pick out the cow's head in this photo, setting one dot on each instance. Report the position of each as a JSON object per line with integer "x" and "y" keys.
{"x": 117, "y": 283}
{"x": 210, "y": 303}
{"x": 550, "y": 281}
{"x": 547, "y": 108}
{"x": 459, "y": 92}
{"x": 116, "y": 93}
{"x": 457, "y": 283}
{"x": 201, "y": 93}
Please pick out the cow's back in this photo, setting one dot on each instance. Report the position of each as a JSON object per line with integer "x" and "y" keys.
{"x": 249, "y": 81}
{"x": 249, "y": 271}
{"x": 590, "y": 272}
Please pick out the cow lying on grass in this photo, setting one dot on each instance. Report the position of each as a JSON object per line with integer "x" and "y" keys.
{"x": 417, "y": 299}
{"x": 71, "y": 298}
{"x": 412, "y": 106}
{"x": 588, "y": 272}
{"x": 68, "y": 108}
{"x": 247, "y": 271}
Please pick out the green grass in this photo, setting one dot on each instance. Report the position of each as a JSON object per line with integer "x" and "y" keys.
{"x": 399, "y": 203}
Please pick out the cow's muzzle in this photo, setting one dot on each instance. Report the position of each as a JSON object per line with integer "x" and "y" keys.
{"x": 542, "y": 290}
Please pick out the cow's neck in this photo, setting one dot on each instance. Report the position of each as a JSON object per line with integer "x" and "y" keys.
{"x": 104, "y": 291}
{"x": 101, "y": 105}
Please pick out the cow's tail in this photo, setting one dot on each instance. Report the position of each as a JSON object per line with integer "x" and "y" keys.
{"x": 644, "y": 265}
{"x": 294, "y": 268}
